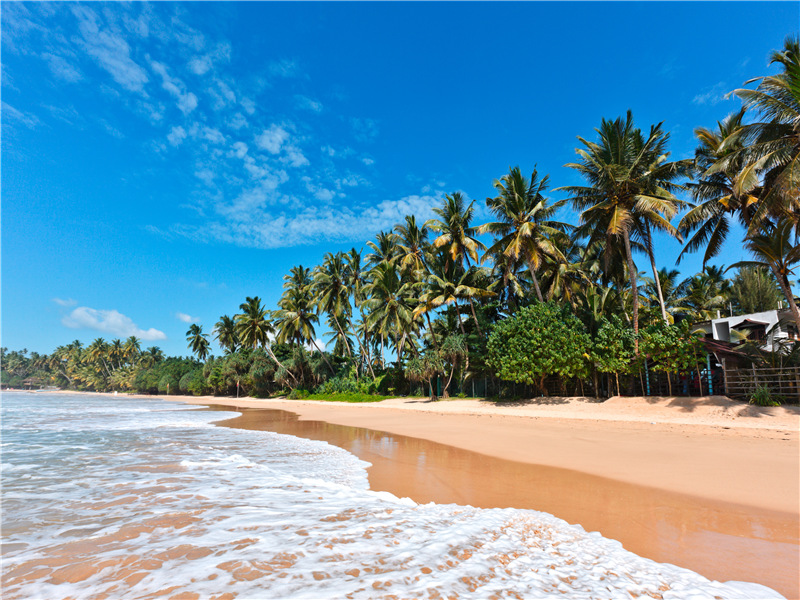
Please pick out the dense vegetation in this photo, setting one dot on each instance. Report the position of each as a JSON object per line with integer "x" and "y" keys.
{"x": 429, "y": 306}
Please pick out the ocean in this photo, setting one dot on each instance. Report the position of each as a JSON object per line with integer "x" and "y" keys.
{"x": 115, "y": 497}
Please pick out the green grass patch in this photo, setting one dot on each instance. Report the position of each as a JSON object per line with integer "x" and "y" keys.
{"x": 346, "y": 397}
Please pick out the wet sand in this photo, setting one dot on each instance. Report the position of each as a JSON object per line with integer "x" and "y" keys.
{"x": 721, "y": 539}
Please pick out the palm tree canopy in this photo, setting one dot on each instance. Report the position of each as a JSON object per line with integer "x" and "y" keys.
{"x": 455, "y": 229}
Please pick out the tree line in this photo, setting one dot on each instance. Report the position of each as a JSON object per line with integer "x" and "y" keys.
{"x": 431, "y": 299}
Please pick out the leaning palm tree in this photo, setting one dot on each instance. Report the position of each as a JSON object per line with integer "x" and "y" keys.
{"x": 777, "y": 248}
{"x": 296, "y": 317}
{"x": 630, "y": 187}
{"x": 253, "y": 327}
{"x": 198, "y": 341}
{"x": 225, "y": 334}
{"x": 524, "y": 229}
{"x": 332, "y": 293}
{"x": 390, "y": 304}
{"x": 772, "y": 146}
{"x": 715, "y": 193}
{"x": 456, "y": 233}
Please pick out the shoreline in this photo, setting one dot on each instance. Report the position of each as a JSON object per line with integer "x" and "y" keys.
{"x": 707, "y": 484}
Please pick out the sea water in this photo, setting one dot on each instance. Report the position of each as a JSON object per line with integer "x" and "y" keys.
{"x": 113, "y": 497}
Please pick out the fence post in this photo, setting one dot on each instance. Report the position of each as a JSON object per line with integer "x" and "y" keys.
{"x": 647, "y": 376}
{"x": 708, "y": 367}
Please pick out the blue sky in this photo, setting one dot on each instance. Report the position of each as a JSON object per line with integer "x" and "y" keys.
{"x": 162, "y": 161}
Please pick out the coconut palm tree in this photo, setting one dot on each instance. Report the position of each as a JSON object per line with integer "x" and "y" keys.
{"x": 198, "y": 341}
{"x": 456, "y": 233}
{"x": 390, "y": 305}
{"x": 630, "y": 187}
{"x": 412, "y": 244}
{"x": 225, "y": 333}
{"x": 332, "y": 293}
{"x": 777, "y": 249}
{"x": 715, "y": 193}
{"x": 524, "y": 229}
{"x": 384, "y": 249}
{"x": 132, "y": 349}
{"x": 772, "y": 146}
{"x": 296, "y": 316}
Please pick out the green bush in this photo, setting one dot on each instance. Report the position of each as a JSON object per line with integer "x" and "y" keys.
{"x": 540, "y": 340}
{"x": 764, "y": 397}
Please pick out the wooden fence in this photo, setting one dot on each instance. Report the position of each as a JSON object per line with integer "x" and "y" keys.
{"x": 785, "y": 382}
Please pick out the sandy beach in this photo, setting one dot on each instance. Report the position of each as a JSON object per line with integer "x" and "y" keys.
{"x": 705, "y": 483}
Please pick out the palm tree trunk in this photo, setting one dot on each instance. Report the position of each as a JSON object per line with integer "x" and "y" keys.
{"x": 787, "y": 291}
{"x": 474, "y": 318}
{"x": 344, "y": 337}
{"x": 655, "y": 275}
{"x": 634, "y": 290}
{"x": 430, "y": 327}
{"x": 325, "y": 358}
{"x": 275, "y": 358}
{"x": 364, "y": 353}
{"x": 535, "y": 283}
{"x": 458, "y": 316}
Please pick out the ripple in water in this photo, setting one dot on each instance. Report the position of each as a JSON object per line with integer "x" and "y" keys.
{"x": 126, "y": 498}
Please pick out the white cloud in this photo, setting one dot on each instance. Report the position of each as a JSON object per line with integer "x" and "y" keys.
{"x": 367, "y": 161}
{"x": 29, "y": 120}
{"x": 305, "y": 103}
{"x": 176, "y": 136}
{"x": 186, "y": 318}
{"x": 259, "y": 219}
{"x": 186, "y": 101}
{"x": 61, "y": 68}
{"x": 109, "y": 321}
{"x": 283, "y": 68}
{"x": 272, "y": 139}
{"x": 109, "y": 50}
{"x": 239, "y": 149}
{"x": 713, "y": 95}
{"x": 65, "y": 302}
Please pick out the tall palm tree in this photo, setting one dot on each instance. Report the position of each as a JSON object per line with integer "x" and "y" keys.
{"x": 332, "y": 293}
{"x": 252, "y": 325}
{"x": 390, "y": 304}
{"x": 412, "y": 243}
{"x": 384, "y": 249}
{"x": 524, "y": 229}
{"x": 777, "y": 248}
{"x": 225, "y": 333}
{"x": 296, "y": 316}
{"x": 198, "y": 341}
{"x": 630, "y": 186}
{"x": 772, "y": 146}
{"x": 456, "y": 233}
{"x": 115, "y": 352}
{"x": 253, "y": 328}
{"x": 132, "y": 349}
{"x": 715, "y": 193}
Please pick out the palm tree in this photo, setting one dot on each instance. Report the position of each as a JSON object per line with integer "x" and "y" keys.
{"x": 115, "y": 352}
{"x": 225, "y": 333}
{"x": 151, "y": 356}
{"x": 777, "y": 248}
{"x": 630, "y": 190}
{"x": 198, "y": 341}
{"x": 413, "y": 246}
{"x": 332, "y": 293}
{"x": 390, "y": 304}
{"x": 715, "y": 193}
{"x": 132, "y": 349}
{"x": 384, "y": 249}
{"x": 252, "y": 325}
{"x": 455, "y": 229}
{"x": 296, "y": 316}
{"x": 772, "y": 150}
{"x": 524, "y": 229}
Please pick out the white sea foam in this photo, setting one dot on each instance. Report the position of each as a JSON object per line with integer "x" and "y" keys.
{"x": 148, "y": 497}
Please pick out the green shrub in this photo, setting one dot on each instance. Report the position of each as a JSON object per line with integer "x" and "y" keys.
{"x": 763, "y": 397}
